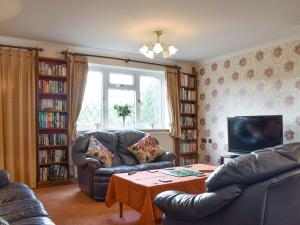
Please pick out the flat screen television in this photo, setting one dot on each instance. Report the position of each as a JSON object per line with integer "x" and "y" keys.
{"x": 250, "y": 133}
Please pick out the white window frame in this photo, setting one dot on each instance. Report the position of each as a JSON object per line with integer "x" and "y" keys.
{"x": 137, "y": 74}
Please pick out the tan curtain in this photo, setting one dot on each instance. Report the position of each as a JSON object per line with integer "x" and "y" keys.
{"x": 17, "y": 114}
{"x": 78, "y": 75}
{"x": 172, "y": 81}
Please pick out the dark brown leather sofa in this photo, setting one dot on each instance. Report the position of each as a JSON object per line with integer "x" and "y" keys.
{"x": 93, "y": 179}
{"x": 261, "y": 188}
{"x": 18, "y": 204}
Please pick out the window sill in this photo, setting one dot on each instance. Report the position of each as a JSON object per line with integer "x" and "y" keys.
{"x": 154, "y": 131}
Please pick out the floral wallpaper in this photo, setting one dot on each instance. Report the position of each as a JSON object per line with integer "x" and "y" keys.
{"x": 264, "y": 82}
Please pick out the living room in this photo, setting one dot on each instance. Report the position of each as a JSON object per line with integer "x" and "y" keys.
{"x": 149, "y": 112}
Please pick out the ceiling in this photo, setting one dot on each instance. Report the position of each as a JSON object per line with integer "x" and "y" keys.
{"x": 200, "y": 29}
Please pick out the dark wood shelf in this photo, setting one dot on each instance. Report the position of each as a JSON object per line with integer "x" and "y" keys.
{"x": 188, "y": 154}
{"x": 50, "y": 147}
{"x": 189, "y": 114}
{"x": 190, "y": 140}
{"x": 48, "y": 95}
{"x": 53, "y": 129}
{"x": 189, "y": 88}
{"x": 53, "y": 111}
{"x": 188, "y": 101}
{"x": 53, "y": 163}
{"x": 52, "y": 77}
{"x": 189, "y": 74}
{"x": 189, "y": 127}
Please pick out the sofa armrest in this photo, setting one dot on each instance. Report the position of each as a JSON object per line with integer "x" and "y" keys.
{"x": 167, "y": 156}
{"x": 81, "y": 160}
{"x": 179, "y": 205}
{"x": 4, "y": 178}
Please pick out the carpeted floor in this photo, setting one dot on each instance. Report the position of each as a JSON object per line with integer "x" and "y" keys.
{"x": 66, "y": 205}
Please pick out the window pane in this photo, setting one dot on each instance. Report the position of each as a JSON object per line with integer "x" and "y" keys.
{"x": 90, "y": 117}
{"x": 150, "y": 105}
{"x": 122, "y": 79}
{"x": 120, "y": 97}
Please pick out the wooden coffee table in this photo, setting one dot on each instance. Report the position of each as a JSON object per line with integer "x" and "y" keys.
{"x": 139, "y": 190}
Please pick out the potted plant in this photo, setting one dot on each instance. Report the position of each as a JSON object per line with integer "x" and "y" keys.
{"x": 123, "y": 111}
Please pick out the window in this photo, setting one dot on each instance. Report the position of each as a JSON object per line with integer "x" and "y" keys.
{"x": 142, "y": 90}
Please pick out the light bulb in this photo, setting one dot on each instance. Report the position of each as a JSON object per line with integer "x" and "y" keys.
{"x": 157, "y": 48}
{"x": 166, "y": 53}
{"x": 150, "y": 54}
{"x": 172, "y": 50}
{"x": 144, "y": 50}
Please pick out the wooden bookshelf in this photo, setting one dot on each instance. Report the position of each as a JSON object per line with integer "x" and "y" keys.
{"x": 186, "y": 148}
{"x": 52, "y": 114}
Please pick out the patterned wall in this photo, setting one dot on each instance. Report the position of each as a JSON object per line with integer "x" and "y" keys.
{"x": 264, "y": 82}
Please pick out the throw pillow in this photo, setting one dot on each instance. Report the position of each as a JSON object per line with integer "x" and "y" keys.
{"x": 146, "y": 149}
{"x": 97, "y": 150}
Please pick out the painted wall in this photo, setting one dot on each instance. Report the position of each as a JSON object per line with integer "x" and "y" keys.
{"x": 262, "y": 82}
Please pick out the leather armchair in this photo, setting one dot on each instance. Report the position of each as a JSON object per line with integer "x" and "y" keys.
{"x": 94, "y": 179}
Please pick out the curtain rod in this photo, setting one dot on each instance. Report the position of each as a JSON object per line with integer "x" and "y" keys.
{"x": 120, "y": 59}
{"x": 21, "y": 47}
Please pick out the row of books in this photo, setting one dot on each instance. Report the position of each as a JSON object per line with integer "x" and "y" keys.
{"x": 52, "y": 87}
{"x": 187, "y": 161}
{"x": 188, "y": 147}
{"x": 53, "y": 104}
{"x": 53, "y": 172}
{"x": 188, "y": 121}
{"x": 53, "y": 69}
{"x": 187, "y": 81}
{"x": 187, "y": 108}
{"x": 187, "y": 94}
{"x": 53, "y": 120}
{"x": 52, "y": 139}
{"x": 52, "y": 156}
{"x": 188, "y": 135}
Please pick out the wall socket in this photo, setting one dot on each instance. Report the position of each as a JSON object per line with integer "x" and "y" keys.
{"x": 209, "y": 140}
{"x": 203, "y": 141}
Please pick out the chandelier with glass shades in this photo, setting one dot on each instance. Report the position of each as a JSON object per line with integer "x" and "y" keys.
{"x": 150, "y": 50}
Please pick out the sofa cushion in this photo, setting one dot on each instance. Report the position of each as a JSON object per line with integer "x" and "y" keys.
{"x": 128, "y": 137}
{"x": 113, "y": 170}
{"x": 4, "y": 178}
{"x": 21, "y": 209}
{"x": 249, "y": 169}
{"x": 146, "y": 149}
{"x": 34, "y": 221}
{"x": 97, "y": 150}
{"x": 128, "y": 159}
{"x": 108, "y": 139}
{"x": 153, "y": 165}
{"x": 14, "y": 192}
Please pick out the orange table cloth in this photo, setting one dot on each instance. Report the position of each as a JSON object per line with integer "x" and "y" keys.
{"x": 139, "y": 190}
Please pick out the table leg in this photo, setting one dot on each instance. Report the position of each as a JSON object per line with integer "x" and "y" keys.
{"x": 121, "y": 209}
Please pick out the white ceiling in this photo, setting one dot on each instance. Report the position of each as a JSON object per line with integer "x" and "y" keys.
{"x": 200, "y": 29}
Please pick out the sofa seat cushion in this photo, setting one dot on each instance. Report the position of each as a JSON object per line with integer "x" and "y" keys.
{"x": 113, "y": 170}
{"x": 14, "y": 192}
{"x": 146, "y": 149}
{"x": 34, "y": 221}
{"x": 153, "y": 165}
{"x": 22, "y": 209}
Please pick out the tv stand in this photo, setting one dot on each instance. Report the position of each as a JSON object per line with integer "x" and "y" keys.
{"x": 229, "y": 156}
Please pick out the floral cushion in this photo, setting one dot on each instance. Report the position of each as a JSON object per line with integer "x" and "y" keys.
{"x": 97, "y": 150}
{"x": 146, "y": 149}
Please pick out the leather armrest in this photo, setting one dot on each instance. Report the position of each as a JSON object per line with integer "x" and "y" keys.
{"x": 81, "y": 160}
{"x": 4, "y": 178}
{"x": 167, "y": 156}
{"x": 179, "y": 205}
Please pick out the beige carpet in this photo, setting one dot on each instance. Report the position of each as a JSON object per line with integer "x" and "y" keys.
{"x": 66, "y": 205}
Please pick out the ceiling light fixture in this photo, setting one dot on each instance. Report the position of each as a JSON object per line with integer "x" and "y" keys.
{"x": 149, "y": 50}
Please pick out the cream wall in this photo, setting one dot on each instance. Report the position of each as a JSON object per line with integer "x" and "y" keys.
{"x": 261, "y": 82}
{"x": 54, "y": 49}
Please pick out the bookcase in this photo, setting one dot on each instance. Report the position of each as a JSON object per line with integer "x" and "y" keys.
{"x": 52, "y": 122}
{"x": 186, "y": 148}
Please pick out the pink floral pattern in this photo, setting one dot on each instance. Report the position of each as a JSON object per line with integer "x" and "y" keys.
{"x": 202, "y": 96}
{"x": 207, "y": 107}
{"x": 259, "y": 55}
{"x": 278, "y": 85}
{"x": 297, "y": 84}
{"x": 207, "y": 158}
{"x": 214, "y": 146}
{"x": 289, "y": 100}
{"x": 277, "y": 52}
{"x": 146, "y": 149}
{"x": 98, "y": 151}
{"x": 269, "y": 72}
{"x": 207, "y": 82}
{"x": 221, "y": 80}
{"x": 289, "y": 135}
{"x": 289, "y": 66}
{"x": 250, "y": 73}
{"x": 214, "y": 66}
{"x": 202, "y": 71}
{"x": 227, "y": 64}
{"x": 235, "y": 76}
{"x": 214, "y": 93}
{"x": 243, "y": 62}
{"x": 297, "y": 49}
{"x": 207, "y": 132}
{"x": 202, "y": 147}
{"x": 202, "y": 122}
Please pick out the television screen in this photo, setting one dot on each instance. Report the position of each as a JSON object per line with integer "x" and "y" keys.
{"x": 250, "y": 133}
